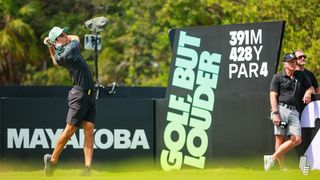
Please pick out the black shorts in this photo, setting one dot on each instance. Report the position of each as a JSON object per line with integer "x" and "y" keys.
{"x": 81, "y": 106}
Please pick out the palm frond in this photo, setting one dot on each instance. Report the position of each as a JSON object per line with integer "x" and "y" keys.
{"x": 19, "y": 27}
{"x": 8, "y": 7}
{"x": 18, "y": 51}
{"x": 34, "y": 52}
{"x": 6, "y": 43}
{"x": 29, "y": 9}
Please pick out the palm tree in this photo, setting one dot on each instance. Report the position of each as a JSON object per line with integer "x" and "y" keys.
{"x": 17, "y": 39}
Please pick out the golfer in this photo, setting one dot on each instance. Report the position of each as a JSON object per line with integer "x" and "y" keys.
{"x": 65, "y": 51}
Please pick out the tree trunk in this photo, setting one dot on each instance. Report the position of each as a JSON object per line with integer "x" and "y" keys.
{"x": 10, "y": 69}
{"x": 3, "y": 80}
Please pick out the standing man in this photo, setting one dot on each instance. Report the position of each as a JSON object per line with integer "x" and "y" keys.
{"x": 285, "y": 90}
{"x": 65, "y": 51}
{"x": 301, "y": 61}
{"x": 306, "y": 132}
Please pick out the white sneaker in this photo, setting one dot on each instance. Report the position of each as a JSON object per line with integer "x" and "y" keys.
{"x": 268, "y": 162}
{"x": 284, "y": 169}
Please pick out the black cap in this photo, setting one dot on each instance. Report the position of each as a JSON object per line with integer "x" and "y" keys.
{"x": 288, "y": 57}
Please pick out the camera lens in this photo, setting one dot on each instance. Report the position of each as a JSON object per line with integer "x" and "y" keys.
{"x": 283, "y": 125}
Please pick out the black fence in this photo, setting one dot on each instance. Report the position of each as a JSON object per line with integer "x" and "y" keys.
{"x": 32, "y": 118}
{"x": 62, "y": 91}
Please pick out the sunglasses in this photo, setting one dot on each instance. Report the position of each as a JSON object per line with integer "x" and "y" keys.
{"x": 302, "y": 56}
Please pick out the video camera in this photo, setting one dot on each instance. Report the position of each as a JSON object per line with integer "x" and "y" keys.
{"x": 96, "y": 24}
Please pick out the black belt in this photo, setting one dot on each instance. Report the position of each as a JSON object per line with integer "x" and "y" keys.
{"x": 85, "y": 91}
{"x": 287, "y": 106}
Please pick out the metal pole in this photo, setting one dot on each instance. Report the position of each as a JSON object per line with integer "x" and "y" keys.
{"x": 97, "y": 86}
{"x": 96, "y": 56}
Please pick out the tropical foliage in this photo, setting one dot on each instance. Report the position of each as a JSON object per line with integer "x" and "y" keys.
{"x": 135, "y": 45}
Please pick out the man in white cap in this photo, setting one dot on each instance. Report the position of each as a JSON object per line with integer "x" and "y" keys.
{"x": 65, "y": 51}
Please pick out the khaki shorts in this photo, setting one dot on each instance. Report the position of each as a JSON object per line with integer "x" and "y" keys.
{"x": 292, "y": 119}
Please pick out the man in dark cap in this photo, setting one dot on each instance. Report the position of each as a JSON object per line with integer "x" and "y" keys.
{"x": 285, "y": 90}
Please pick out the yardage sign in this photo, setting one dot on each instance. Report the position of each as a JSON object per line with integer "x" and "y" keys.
{"x": 219, "y": 78}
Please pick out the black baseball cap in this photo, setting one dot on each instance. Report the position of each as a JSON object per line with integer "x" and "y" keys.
{"x": 288, "y": 57}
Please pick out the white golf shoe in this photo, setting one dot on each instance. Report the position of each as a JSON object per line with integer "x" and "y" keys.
{"x": 268, "y": 162}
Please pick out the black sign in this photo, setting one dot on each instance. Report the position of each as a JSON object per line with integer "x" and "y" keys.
{"x": 1, "y": 129}
{"x": 217, "y": 98}
{"x": 124, "y": 129}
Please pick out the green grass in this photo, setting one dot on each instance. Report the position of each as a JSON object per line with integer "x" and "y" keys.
{"x": 219, "y": 173}
{"x": 219, "y": 169}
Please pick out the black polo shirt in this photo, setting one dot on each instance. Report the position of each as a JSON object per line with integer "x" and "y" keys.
{"x": 312, "y": 78}
{"x": 69, "y": 57}
{"x": 314, "y": 83}
{"x": 290, "y": 91}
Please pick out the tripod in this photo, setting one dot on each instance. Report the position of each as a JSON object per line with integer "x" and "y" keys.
{"x": 99, "y": 86}
{"x": 96, "y": 25}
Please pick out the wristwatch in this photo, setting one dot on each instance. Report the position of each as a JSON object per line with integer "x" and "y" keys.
{"x": 274, "y": 112}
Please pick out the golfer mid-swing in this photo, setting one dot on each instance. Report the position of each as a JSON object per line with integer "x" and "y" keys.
{"x": 65, "y": 51}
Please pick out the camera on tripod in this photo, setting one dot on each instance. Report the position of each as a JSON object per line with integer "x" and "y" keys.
{"x": 93, "y": 42}
{"x": 96, "y": 25}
